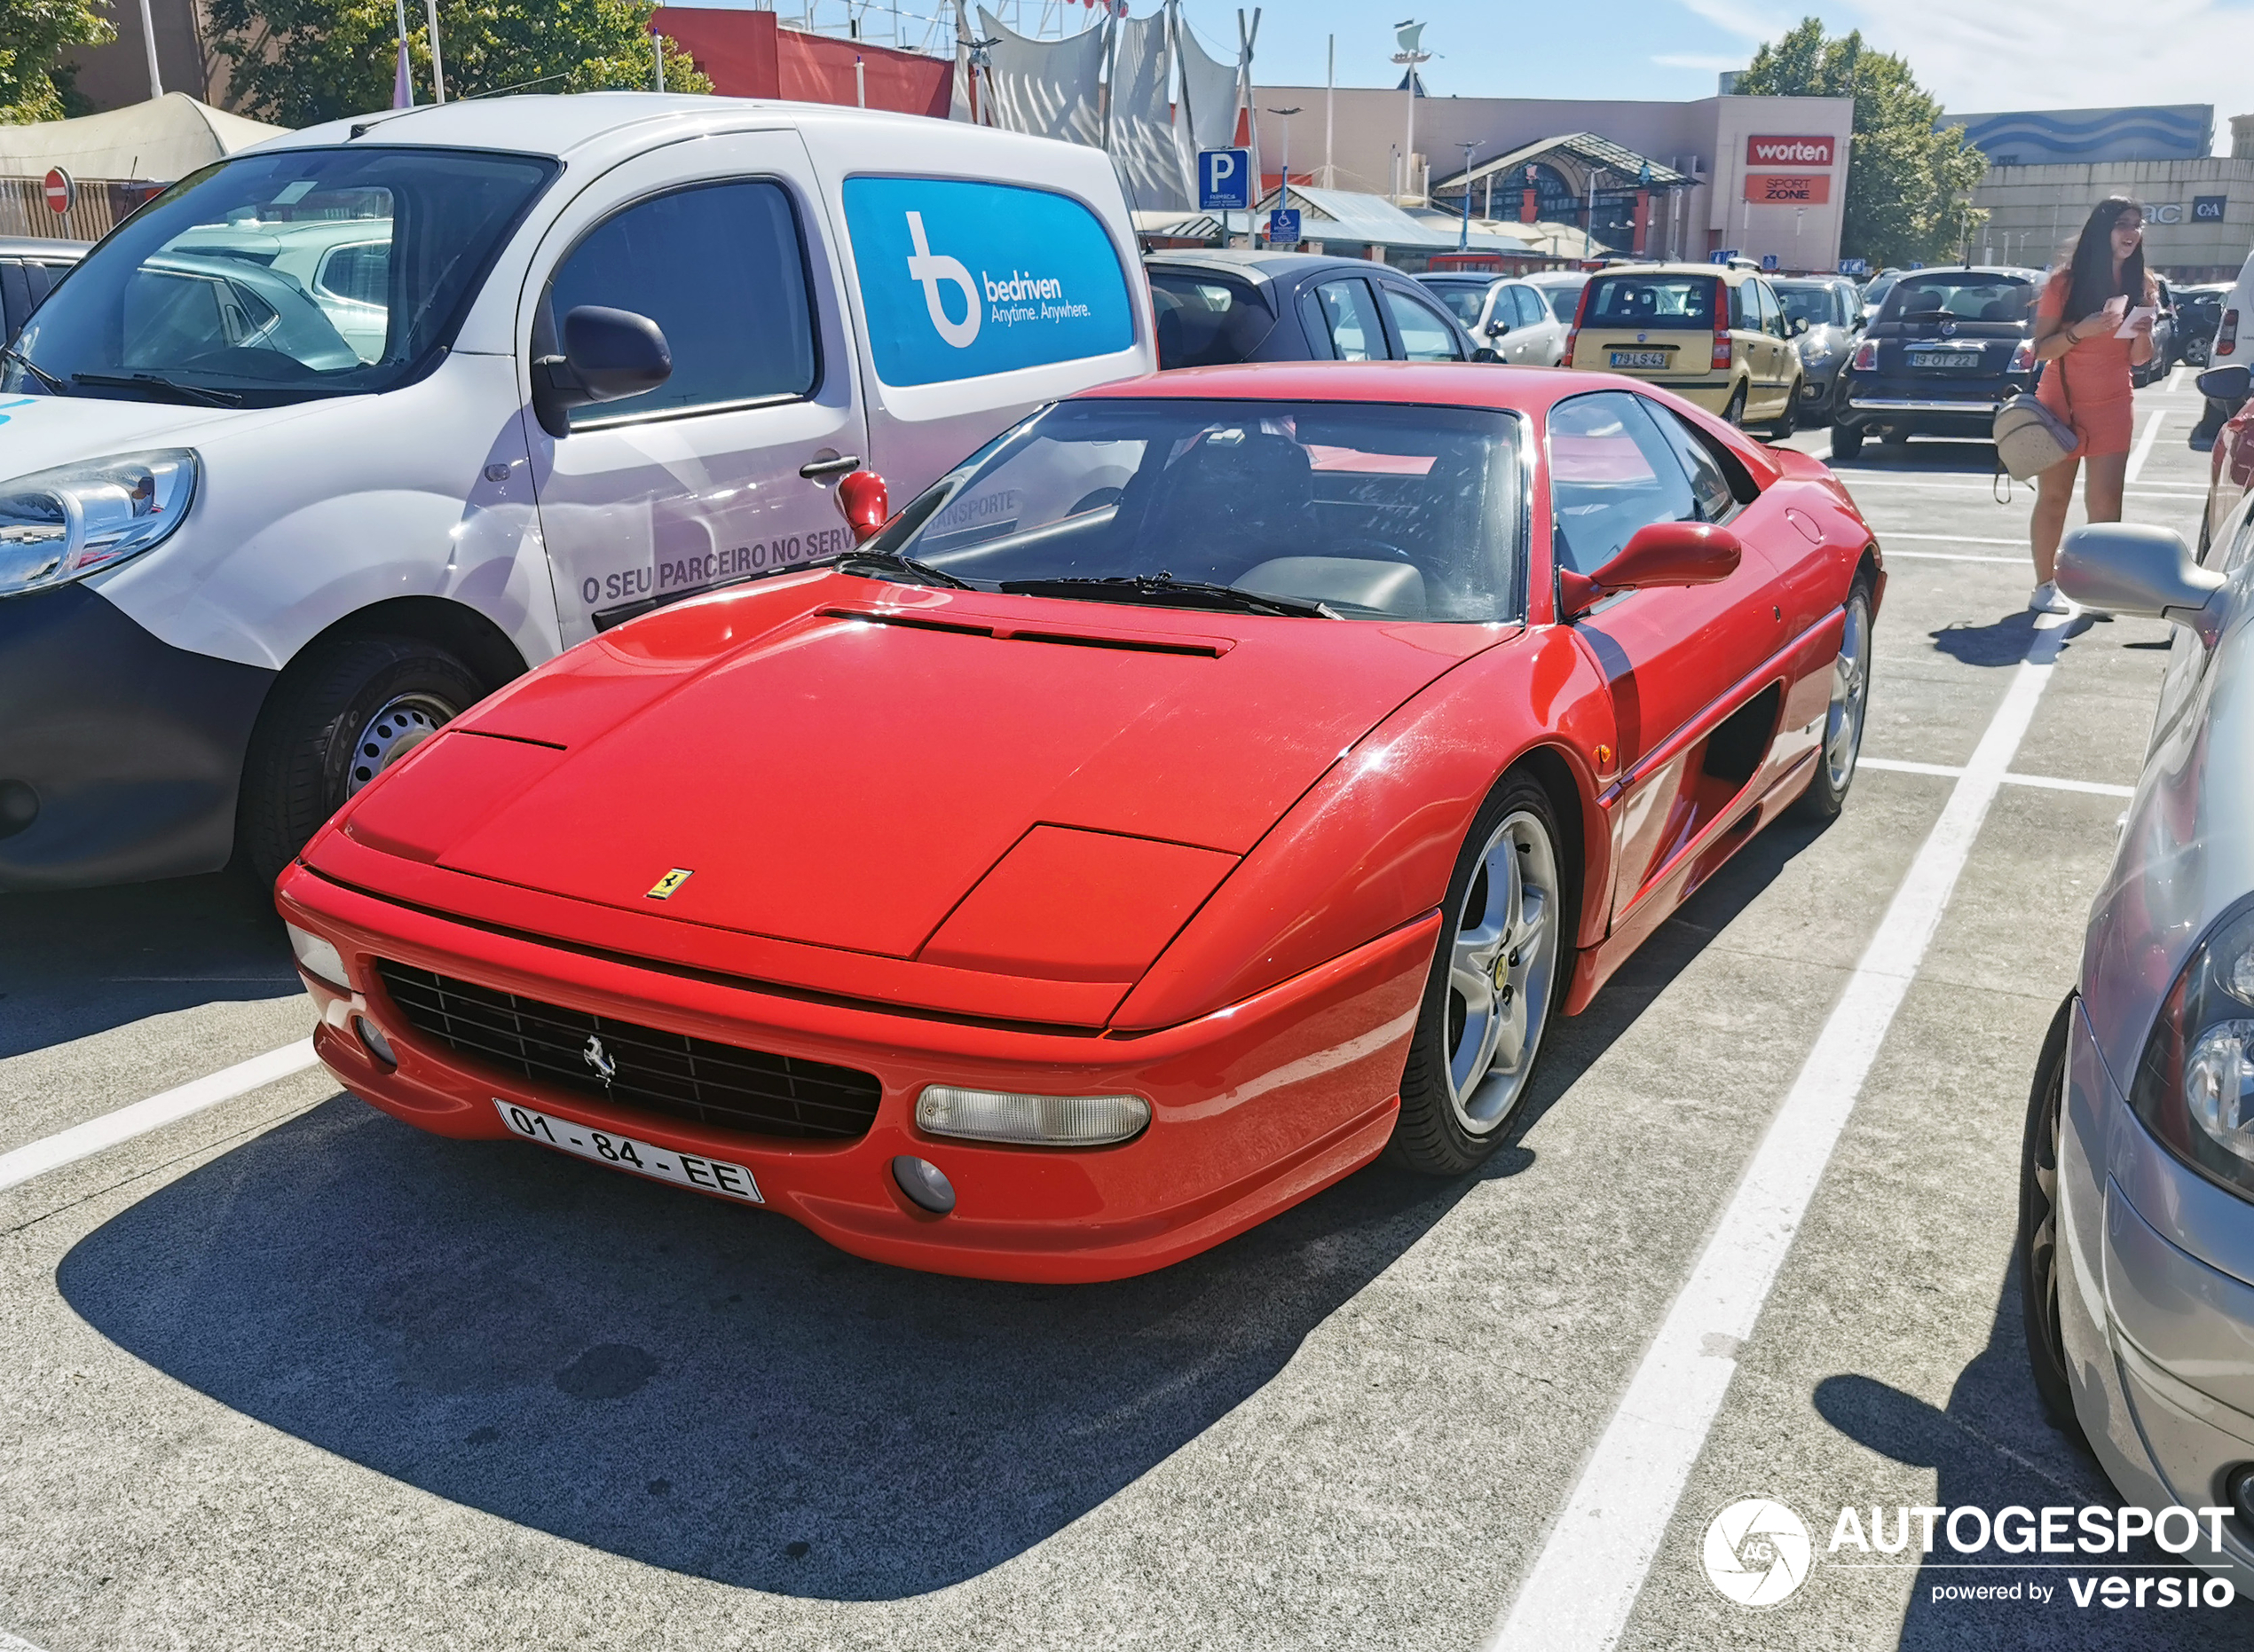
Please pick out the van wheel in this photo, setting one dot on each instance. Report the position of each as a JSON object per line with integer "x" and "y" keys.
{"x": 339, "y": 717}
{"x": 1734, "y": 411}
{"x": 1847, "y": 440}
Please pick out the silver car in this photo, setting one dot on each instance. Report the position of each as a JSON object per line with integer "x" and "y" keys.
{"x": 2137, "y": 1183}
{"x": 1509, "y": 317}
{"x": 1832, "y": 307}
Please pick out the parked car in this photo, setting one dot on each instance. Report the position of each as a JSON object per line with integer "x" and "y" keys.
{"x": 1714, "y": 334}
{"x": 2231, "y": 456}
{"x": 249, "y": 554}
{"x": 1562, "y": 290}
{"x": 1878, "y": 287}
{"x": 1290, "y": 744}
{"x": 2233, "y": 344}
{"x": 1946, "y": 350}
{"x": 1218, "y": 308}
{"x": 2163, "y": 336}
{"x": 2136, "y": 1231}
{"x": 2199, "y": 311}
{"x": 1829, "y": 309}
{"x": 1510, "y": 317}
{"x": 29, "y": 267}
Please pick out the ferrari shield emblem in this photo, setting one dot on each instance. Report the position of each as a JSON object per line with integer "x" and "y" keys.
{"x": 662, "y": 890}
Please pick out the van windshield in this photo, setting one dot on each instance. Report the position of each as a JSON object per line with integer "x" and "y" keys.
{"x": 273, "y": 278}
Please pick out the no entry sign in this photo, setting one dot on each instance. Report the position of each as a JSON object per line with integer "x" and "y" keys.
{"x": 62, "y": 193}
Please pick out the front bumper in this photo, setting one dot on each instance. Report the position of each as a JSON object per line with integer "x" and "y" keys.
{"x": 2159, "y": 1346}
{"x": 1253, "y": 1108}
{"x": 120, "y": 755}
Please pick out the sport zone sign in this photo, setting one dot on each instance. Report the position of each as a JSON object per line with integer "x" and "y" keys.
{"x": 1775, "y": 151}
{"x": 1788, "y": 189}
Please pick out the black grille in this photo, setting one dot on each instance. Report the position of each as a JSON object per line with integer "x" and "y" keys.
{"x": 656, "y": 1072}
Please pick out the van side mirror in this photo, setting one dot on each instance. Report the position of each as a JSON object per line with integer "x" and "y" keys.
{"x": 2147, "y": 573}
{"x": 608, "y": 354}
{"x": 866, "y": 504}
{"x": 2226, "y": 384}
{"x": 1658, "y": 553}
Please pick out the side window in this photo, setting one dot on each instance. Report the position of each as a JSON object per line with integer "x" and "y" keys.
{"x": 1766, "y": 303}
{"x": 1610, "y": 472}
{"x": 1345, "y": 318}
{"x": 358, "y": 273}
{"x": 719, "y": 269}
{"x": 1745, "y": 309}
{"x": 1531, "y": 311}
{"x": 1708, "y": 485}
{"x": 1425, "y": 333}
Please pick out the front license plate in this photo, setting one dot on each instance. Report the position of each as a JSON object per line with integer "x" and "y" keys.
{"x": 1639, "y": 358}
{"x": 1954, "y": 359}
{"x": 623, "y": 1153}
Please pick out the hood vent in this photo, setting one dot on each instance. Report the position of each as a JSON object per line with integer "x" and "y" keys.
{"x": 1005, "y": 631}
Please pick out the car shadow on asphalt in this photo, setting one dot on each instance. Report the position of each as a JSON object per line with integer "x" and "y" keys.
{"x": 1993, "y": 1449}
{"x": 80, "y": 962}
{"x": 2005, "y": 641}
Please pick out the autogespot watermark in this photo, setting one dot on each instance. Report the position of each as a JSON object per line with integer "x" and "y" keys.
{"x": 1758, "y": 1552}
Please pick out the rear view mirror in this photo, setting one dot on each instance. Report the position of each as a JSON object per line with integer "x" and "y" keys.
{"x": 1659, "y": 553}
{"x": 1484, "y": 353}
{"x": 2226, "y": 384}
{"x": 607, "y": 354}
{"x": 866, "y": 504}
{"x": 1799, "y": 325}
{"x": 2147, "y": 573}
{"x": 1497, "y": 327}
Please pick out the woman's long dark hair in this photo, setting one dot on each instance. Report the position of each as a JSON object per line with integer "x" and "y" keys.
{"x": 2091, "y": 283}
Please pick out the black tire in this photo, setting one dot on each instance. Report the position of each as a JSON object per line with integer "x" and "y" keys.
{"x": 1733, "y": 411}
{"x": 1847, "y": 440}
{"x": 1430, "y": 1136}
{"x": 1826, "y": 794}
{"x": 302, "y": 763}
{"x": 1788, "y": 420}
{"x": 2037, "y": 1243}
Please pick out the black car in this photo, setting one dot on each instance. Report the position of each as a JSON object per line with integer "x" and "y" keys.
{"x": 1946, "y": 350}
{"x": 1216, "y": 307}
{"x": 2199, "y": 311}
{"x": 30, "y": 265}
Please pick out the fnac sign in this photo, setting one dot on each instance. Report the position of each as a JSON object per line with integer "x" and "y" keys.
{"x": 1775, "y": 151}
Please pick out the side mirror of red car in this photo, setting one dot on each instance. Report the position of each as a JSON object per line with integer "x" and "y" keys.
{"x": 867, "y": 506}
{"x": 1660, "y": 552}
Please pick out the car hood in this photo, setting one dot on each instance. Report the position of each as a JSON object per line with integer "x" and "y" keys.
{"x": 40, "y": 432}
{"x": 840, "y": 761}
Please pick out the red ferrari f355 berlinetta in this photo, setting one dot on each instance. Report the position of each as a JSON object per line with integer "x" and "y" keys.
{"x": 1219, "y": 780}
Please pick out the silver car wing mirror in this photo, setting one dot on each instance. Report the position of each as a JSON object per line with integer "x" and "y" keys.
{"x": 2144, "y": 572}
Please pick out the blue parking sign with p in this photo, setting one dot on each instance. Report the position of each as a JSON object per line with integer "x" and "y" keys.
{"x": 1223, "y": 179}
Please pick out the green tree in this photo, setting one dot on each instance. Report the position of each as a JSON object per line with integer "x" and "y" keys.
{"x": 1908, "y": 184}
{"x": 298, "y": 62}
{"x": 33, "y": 85}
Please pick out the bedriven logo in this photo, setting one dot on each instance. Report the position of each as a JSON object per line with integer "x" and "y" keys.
{"x": 931, "y": 269}
{"x": 1020, "y": 295}
{"x": 1757, "y": 1552}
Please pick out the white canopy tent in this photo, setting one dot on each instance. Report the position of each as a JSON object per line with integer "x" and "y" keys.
{"x": 165, "y": 139}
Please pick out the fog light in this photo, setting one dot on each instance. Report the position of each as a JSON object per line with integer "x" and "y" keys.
{"x": 996, "y": 1115}
{"x": 2238, "y": 1487}
{"x": 925, "y": 1183}
{"x": 317, "y": 958}
{"x": 372, "y": 1036}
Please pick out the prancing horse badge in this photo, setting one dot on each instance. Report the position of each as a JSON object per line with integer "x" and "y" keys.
{"x": 662, "y": 890}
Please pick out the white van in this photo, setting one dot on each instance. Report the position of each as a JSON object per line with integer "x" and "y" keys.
{"x": 337, "y": 436}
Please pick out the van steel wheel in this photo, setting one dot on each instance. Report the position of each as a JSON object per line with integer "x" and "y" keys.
{"x": 1506, "y": 923}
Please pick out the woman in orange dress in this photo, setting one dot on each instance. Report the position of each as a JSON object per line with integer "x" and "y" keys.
{"x": 2078, "y": 327}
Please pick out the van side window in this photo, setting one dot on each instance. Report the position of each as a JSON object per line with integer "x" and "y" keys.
{"x": 721, "y": 269}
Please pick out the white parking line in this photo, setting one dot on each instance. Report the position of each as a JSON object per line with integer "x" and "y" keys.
{"x": 1957, "y": 556}
{"x": 1955, "y": 538}
{"x": 12, "y": 1643}
{"x": 1584, "y": 1584}
{"x": 1856, "y": 479}
{"x": 2175, "y": 375}
{"x": 2144, "y": 444}
{"x": 82, "y": 1141}
{"x": 2048, "y": 782}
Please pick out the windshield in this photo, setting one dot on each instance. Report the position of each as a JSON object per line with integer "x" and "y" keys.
{"x": 1464, "y": 299}
{"x": 1564, "y": 299}
{"x": 1659, "y": 301}
{"x": 1806, "y": 301}
{"x": 1204, "y": 321}
{"x": 1379, "y": 512}
{"x": 275, "y": 278}
{"x": 1959, "y": 295}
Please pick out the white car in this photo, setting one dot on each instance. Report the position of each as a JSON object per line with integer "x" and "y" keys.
{"x": 313, "y": 452}
{"x": 1510, "y": 317}
{"x": 2232, "y": 346}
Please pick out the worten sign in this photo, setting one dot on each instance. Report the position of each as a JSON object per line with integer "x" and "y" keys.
{"x": 1788, "y": 189}
{"x": 1789, "y": 150}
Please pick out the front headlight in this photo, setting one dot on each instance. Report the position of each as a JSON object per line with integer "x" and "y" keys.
{"x": 63, "y": 524}
{"x": 2195, "y": 1085}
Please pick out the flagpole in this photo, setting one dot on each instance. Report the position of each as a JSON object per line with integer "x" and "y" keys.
{"x": 438, "y": 64}
{"x": 402, "y": 85}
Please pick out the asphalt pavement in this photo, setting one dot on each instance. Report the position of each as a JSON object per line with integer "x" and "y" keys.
{"x": 285, "y": 1373}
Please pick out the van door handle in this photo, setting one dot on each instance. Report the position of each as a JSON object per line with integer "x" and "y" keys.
{"x": 815, "y": 470}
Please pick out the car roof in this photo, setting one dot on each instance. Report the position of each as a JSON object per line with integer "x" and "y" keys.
{"x": 1250, "y": 263}
{"x": 2020, "y": 270}
{"x": 40, "y": 247}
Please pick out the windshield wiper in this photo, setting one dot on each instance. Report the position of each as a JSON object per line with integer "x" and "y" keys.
{"x": 891, "y": 561}
{"x": 157, "y": 382}
{"x": 1162, "y": 592}
{"x": 53, "y": 384}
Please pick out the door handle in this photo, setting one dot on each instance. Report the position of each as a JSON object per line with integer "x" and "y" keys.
{"x": 816, "y": 469}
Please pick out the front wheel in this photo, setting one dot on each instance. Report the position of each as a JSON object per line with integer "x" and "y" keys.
{"x": 338, "y": 719}
{"x": 1788, "y": 420}
{"x": 1826, "y": 794}
{"x": 1505, "y": 925}
{"x": 2038, "y": 1239}
{"x": 1847, "y": 440}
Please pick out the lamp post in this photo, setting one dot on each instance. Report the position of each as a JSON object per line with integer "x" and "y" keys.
{"x": 1464, "y": 235}
{"x": 1283, "y": 193}
{"x": 1408, "y": 35}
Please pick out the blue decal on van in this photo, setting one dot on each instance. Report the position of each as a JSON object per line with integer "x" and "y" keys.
{"x": 961, "y": 279}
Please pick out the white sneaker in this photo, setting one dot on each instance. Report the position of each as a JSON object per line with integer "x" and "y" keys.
{"x": 2044, "y": 599}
